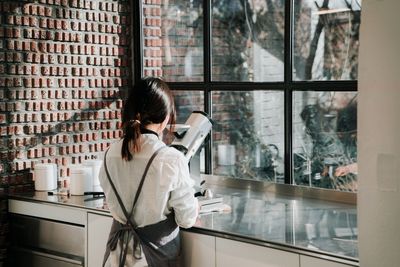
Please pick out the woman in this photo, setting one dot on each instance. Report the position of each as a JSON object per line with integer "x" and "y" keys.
{"x": 164, "y": 200}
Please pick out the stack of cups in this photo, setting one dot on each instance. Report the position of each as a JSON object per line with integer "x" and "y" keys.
{"x": 45, "y": 175}
{"x": 95, "y": 165}
{"x": 80, "y": 180}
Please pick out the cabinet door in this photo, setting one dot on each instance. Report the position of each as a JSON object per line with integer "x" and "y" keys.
{"x": 98, "y": 229}
{"x": 198, "y": 250}
{"x": 306, "y": 261}
{"x": 231, "y": 253}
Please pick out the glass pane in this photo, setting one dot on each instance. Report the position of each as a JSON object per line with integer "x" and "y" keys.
{"x": 186, "y": 102}
{"x": 247, "y": 40}
{"x": 248, "y": 135}
{"x": 326, "y": 34}
{"x": 173, "y": 40}
{"x": 325, "y": 139}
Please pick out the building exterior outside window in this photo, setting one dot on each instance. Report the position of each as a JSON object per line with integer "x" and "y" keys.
{"x": 279, "y": 78}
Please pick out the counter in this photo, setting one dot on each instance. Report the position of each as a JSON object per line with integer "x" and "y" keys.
{"x": 307, "y": 226}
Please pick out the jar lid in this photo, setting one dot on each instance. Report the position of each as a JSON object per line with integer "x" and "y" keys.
{"x": 43, "y": 166}
{"x": 92, "y": 162}
{"x": 79, "y": 168}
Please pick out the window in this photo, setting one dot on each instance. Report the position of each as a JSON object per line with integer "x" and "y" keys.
{"x": 325, "y": 139}
{"x": 279, "y": 79}
{"x": 247, "y": 41}
{"x": 173, "y": 40}
{"x": 248, "y": 134}
{"x": 325, "y": 39}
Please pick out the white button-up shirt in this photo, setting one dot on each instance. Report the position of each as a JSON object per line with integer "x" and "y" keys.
{"x": 167, "y": 185}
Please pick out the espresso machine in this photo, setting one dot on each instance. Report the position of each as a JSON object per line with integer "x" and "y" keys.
{"x": 189, "y": 139}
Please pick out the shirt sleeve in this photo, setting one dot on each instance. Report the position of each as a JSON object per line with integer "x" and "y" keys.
{"x": 182, "y": 198}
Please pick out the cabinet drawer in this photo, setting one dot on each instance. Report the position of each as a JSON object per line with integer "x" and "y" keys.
{"x": 31, "y": 258}
{"x": 41, "y": 234}
{"x": 48, "y": 211}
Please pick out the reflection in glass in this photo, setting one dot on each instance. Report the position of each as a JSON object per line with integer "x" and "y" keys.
{"x": 325, "y": 139}
{"x": 248, "y": 135}
{"x": 247, "y": 40}
{"x": 326, "y": 34}
{"x": 173, "y": 40}
{"x": 327, "y": 228}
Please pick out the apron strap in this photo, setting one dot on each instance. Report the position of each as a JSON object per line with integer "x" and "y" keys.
{"x": 120, "y": 233}
{"x": 128, "y": 215}
{"x": 139, "y": 190}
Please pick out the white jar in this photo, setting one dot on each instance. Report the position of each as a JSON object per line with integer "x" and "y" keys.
{"x": 95, "y": 165}
{"x": 80, "y": 180}
{"x": 45, "y": 176}
{"x": 226, "y": 155}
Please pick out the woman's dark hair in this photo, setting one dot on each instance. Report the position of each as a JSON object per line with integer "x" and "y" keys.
{"x": 149, "y": 101}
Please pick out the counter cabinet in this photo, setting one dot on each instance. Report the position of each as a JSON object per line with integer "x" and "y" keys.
{"x": 201, "y": 248}
{"x": 204, "y": 250}
{"x": 45, "y": 235}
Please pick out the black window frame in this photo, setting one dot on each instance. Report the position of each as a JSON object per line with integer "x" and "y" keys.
{"x": 288, "y": 86}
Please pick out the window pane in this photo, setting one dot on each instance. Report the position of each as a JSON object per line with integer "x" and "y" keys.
{"x": 186, "y": 102}
{"x": 325, "y": 139}
{"x": 248, "y": 135}
{"x": 173, "y": 40}
{"x": 247, "y": 40}
{"x": 326, "y": 39}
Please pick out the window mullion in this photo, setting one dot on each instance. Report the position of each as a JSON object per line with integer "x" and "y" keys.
{"x": 207, "y": 79}
{"x": 288, "y": 99}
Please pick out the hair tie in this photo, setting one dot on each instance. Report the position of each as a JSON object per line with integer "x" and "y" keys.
{"x": 134, "y": 121}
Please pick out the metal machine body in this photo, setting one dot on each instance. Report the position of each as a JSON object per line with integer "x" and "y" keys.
{"x": 189, "y": 139}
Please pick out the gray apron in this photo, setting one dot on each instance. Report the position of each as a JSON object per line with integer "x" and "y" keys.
{"x": 160, "y": 242}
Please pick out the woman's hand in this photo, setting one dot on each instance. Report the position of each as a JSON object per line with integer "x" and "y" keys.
{"x": 344, "y": 170}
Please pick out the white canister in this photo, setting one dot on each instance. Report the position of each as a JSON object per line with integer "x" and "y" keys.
{"x": 80, "y": 180}
{"x": 95, "y": 165}
{"x": 226, "y": 155}
{"x": 45, "y": 175}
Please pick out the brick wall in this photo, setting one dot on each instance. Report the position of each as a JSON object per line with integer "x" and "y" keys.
{"x": 64, "y": 66}
{"x": 152, "y": 41}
